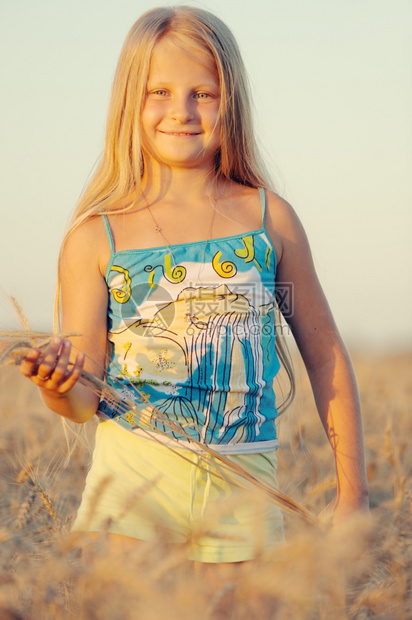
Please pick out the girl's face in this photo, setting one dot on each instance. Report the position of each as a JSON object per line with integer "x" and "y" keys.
{"x": 180, "y": 119}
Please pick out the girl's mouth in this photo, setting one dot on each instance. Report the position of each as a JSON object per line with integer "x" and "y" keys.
{"x": 181, "y": 133}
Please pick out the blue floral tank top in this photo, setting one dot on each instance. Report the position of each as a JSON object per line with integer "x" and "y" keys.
{"x": 191, "y": 326}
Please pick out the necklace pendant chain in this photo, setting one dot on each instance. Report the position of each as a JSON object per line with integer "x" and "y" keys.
{"x": 159, "y": 230}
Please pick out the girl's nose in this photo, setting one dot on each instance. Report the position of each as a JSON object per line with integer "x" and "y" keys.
{"x": 182, "y": 109}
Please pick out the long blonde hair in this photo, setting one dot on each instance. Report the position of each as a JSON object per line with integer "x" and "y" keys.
{"x": 119, "y": 172}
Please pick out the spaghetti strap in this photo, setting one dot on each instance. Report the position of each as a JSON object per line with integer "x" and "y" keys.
{"x": 262, "y": 196}
{"x": 109, "y": 232}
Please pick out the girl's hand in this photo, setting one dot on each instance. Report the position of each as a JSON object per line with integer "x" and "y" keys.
{"x": 50, "y": 368}
{"x": 339, "y": 510}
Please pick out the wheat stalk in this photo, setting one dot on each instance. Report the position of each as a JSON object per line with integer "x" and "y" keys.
{"x": 21, "y": 341}
{"x": 394, "y": 459}
{"x": 24, "y": 512}
{"x": 27, "y": 475}
{"x": 388, "y": 445}
{"x": 46, "y": 502}
{"x": 19, "y": 311}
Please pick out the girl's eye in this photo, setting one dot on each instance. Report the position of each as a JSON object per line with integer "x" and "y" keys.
{"x": 160, "y": 92}
{"x": 202, "y": 95}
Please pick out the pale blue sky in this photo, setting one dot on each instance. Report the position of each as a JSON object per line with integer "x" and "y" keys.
{"x": 333, "y": 95}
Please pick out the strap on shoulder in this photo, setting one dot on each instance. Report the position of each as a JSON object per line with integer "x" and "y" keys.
{"x": 262, "y": 196}
{"x": 109, "y": 232}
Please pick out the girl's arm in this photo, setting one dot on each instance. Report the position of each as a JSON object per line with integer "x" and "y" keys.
{"x": 84, "y": 306}
{"x": 325, "y": 357}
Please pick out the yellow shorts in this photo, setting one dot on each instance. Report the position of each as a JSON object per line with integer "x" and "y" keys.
{"x": 137, "y": 487}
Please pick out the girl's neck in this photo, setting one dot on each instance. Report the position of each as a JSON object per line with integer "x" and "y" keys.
{"x": 178, "y": 184}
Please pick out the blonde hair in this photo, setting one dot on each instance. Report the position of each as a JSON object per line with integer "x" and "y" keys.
{"x": 118, "y": 176}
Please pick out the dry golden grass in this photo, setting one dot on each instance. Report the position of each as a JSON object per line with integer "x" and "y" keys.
{"x": 362, "y": 570}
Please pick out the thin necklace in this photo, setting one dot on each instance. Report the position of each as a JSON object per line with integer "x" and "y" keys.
{"x": 190, "y": 316}
{"x": 159, "y": 230}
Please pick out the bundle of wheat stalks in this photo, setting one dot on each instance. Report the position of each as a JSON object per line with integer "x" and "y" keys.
{"x": 145, "y": 415}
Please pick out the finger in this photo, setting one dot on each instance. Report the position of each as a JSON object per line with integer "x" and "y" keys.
{"x": 61, "y": 368}
{"x": 47, "y": 364}
{"x": 74, "y": 374}
{"x": 28, "y": 366}
{"x": 43, "y": 383}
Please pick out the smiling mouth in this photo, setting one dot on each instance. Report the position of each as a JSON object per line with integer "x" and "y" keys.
{"x": 180, "y": 133}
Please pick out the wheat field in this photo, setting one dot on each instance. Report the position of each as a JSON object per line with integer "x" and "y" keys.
{"x": 361, "y": 570}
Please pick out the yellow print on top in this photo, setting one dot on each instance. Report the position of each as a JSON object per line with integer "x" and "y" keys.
{"x": 225, "y": 269}
{"x": 268, "y": 254}
{"x": 122, "y": 295}
{"x": 129, "y": 417}
{"x": 175, "y": 274}
{"x": 248, "y": 251}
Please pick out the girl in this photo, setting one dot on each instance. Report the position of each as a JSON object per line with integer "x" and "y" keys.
{"x": 170, "y": 268}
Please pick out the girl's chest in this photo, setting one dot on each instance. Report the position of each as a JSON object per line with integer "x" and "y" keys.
{"x": 235, "y": 272}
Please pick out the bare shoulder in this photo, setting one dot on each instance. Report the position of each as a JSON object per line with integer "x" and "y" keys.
{"x": 282, "y": 224}
{"x": 87, "y": 245}
{"x": 240, "y": 198}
